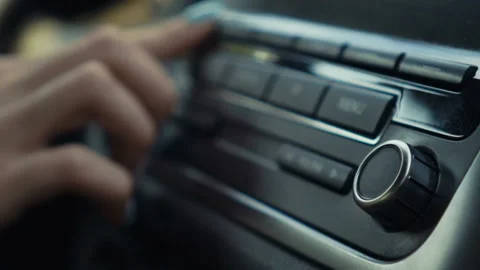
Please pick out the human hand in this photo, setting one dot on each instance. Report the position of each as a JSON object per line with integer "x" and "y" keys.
{"x": 111, "y": 77}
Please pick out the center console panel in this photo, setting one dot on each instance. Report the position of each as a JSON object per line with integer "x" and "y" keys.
{"x": 327, "y": 141}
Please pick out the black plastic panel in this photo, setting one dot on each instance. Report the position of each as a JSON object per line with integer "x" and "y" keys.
{"x": 299, "y": 198}
{"x": 321, "y": 248}
{"x": 246, "y": 168}
{"x": 246, "y": 161}
{"x": 427, "y": 115}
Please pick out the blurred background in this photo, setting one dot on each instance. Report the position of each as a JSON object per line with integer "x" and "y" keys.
{"x": 32, "y": 28}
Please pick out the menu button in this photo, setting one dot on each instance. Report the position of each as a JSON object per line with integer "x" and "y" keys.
{"x": 356, "y": 109}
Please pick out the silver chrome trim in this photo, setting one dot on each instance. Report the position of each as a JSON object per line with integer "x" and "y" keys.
{"x": 265, "y": 108}
{"x": 273, "y": 223}
{"x": 401, "y": 177}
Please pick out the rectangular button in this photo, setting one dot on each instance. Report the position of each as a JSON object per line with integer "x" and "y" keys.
{"x": 271, "y": 38}
{"x": 319, "y": 169}
{"x": 371, "y": 58}
{"x": 250, "y": 78}
{"x": 437, "y": 72}
{"x": 356, "y": 108}
{"x": 213, "y": 67}
{"x": 297, "y": 91}
{"x": 319, "y": 47}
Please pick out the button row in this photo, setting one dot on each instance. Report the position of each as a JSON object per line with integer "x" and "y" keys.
{"x": 422, "y": 69}
{"x": 319, "y": 169}
{"x": 357, "y": 109}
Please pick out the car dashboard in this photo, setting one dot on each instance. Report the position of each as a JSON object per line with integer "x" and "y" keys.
{"x": 310, "y": 135}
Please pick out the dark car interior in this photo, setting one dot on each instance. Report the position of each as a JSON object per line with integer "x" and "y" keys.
{"x": 311, "y": 134}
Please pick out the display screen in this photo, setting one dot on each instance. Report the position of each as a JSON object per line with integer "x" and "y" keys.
{"x": 453, "y": 23}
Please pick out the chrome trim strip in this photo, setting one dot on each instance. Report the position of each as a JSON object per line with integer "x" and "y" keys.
{"x": 279, "y": 226}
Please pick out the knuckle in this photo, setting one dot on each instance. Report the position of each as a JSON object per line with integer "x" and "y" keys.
{"x": 108, "y": 30}
{"x": 171, "y": 99}
{"x": 87, "y": 84}
{"x": 123, "y": 175}
{"x": 93, "y": 71}
{"x": 106, "y": 36}
{"x": 143, "y": 135}
{"x": 73, "y": 159}
{"x": 91, "y": 76}
{"x": 108, "y": 40}
{"x": 147, "y": 137}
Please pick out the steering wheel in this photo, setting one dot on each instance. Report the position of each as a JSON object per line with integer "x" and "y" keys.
{"x": 44, "y": 235}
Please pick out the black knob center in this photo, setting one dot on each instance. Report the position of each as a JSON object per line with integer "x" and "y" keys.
{"x": 379, "y": 173}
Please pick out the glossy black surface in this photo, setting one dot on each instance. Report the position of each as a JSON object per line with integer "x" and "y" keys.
{"x": 379, "y": 173}
{"x": 444, "y": 74}
{"x": 249, "y": 178}
{"x": 437, "y": 130}
{"x": 434, "y": 110}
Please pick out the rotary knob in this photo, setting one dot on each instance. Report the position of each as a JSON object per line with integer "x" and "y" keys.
{"x": 395, "y": 184}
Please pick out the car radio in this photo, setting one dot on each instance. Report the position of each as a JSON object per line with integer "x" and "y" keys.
{"x": 331, "y": 142}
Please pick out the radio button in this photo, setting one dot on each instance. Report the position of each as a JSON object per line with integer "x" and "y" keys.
{"x": 298, "y": 92}
{"x": 319, "y": 169}
{"x": 250, "y": 77}
{"x": 356, "y": 109}
{"x": 436, "y": 72}
{"x": 214, "y": 66}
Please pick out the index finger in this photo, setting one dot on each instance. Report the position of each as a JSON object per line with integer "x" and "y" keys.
{"x": 172, "y": 38}
{"x": 176, "y": 36}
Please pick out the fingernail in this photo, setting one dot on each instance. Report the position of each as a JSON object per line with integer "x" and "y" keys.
{"x": 203, "y": 11}
{"x": 130, "y": 212}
